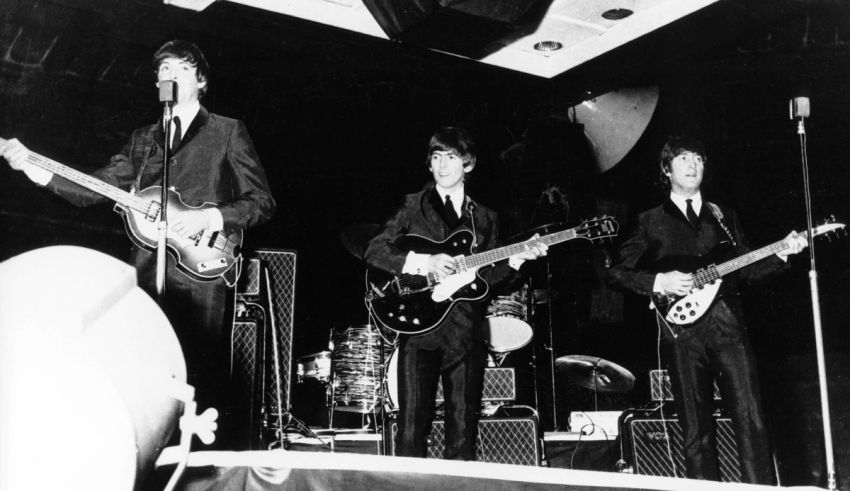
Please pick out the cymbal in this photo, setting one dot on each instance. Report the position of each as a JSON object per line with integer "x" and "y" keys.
{"x": 356, "y": 237}
{"x": 595, "y": 373}
{"x": 544, "y": 229}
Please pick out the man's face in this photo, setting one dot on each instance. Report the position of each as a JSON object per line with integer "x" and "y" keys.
{"x": 447, "y": 168}
{"x": 186, "y": 76}
{"x": 686, "y": 170}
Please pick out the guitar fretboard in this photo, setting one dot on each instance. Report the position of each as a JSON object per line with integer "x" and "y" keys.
{"x": 500, "y": 253}
{"x": 115, "y": 194}
{"x": 708, "y": 275}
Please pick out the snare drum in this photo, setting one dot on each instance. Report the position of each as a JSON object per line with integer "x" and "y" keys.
{"x": 507, "y": 327}
{"x": 315, "y": 366}
{"x": 357, "y": 370}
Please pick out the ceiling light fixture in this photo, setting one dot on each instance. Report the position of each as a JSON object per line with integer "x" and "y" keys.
{"x": 617, "y": 14}
{"x": 547, "y": 46}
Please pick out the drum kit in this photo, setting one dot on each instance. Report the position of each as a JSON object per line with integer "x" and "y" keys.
{"x": 359, "y": 368}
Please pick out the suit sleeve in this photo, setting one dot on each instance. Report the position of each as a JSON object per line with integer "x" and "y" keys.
{"x": 252, "y": 203}
{"x": 118, "y": 172}
{"x": 760, "y": 271}
{"x": 382, "y": 251}
{"x": 629, "y": 272}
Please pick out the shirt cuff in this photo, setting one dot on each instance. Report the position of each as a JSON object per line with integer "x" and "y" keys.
{"x": 655, "y": 287}
{"x": 515, "y": 262}
{"x": 215, "y": 221}
{"x": 415, "y": 264}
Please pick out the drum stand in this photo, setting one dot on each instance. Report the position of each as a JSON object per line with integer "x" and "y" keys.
{"x": 548, "y": 346}
{"x": 283, "y": 412}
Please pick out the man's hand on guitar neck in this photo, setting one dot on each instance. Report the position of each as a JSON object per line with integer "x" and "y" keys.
{"x": 796, "y": 243}
{"x": 532, "y": 251}
{"x": 17, "y": 154}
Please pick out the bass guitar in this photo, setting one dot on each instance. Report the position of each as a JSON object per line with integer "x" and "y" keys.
{"x": 417, "y": 304}
{"x": 683, "y": 310}
{"x": 204, "y": 256}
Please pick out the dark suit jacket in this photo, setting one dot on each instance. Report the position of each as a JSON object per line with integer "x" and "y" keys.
{"x": 420, "y": 214}
{"x": 215, "y": 163}
{"x": 663, "y": 232}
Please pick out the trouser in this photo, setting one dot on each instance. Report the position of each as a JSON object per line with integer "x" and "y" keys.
{"x": 718, "y": 347}
{"x": 462, "y": 370}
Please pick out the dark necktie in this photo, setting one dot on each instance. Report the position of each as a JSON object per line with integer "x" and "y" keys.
{"x": 451, "y": 214}
{"x": 178, "y": 132}
{"x": 692, "y": 216}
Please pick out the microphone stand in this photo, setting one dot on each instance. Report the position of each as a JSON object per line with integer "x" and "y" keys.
{"x": 813, "y": 285}
{"x": 167, "y": 95}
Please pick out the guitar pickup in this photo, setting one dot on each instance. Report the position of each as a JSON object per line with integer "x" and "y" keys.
{"x": 205, "y": 266}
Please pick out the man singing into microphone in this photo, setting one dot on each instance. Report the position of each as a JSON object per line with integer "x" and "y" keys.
{"x": 212, "y": 161}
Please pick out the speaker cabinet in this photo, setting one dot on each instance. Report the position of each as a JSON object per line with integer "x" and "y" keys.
{"x": 500, "y": 440}
{"x": 655, "y": 446}
{"x": 261, "y": 339}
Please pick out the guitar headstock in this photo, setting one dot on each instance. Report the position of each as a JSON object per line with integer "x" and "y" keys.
{"x": 603, "y": 227}
{"x": 828, "y": 226}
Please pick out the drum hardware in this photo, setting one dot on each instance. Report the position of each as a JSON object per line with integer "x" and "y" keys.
{"x": 315, "y": 366}
{"x": 596, "y": 374}
{"x": 283, "y": 414}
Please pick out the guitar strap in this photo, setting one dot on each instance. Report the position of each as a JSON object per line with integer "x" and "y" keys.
{"x": 470, "y": 208}
{"x": 718, "y": 214}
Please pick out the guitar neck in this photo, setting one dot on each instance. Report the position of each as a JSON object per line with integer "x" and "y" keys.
{"x": 86, "y": 181}
{"x": 712, "y": 273}
{"x": 501, "y": 253}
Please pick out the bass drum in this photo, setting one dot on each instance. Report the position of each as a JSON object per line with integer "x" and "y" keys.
{"x": 507, "y": 327}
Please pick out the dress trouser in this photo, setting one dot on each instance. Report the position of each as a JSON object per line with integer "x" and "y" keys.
{"x": 197, "y": 311}
{"x": 718, "y": 345}
{"x": 421, "y": 362}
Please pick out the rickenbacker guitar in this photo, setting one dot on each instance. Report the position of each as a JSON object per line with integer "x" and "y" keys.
{"x": 417, "y": 304}
{"x": 685, "y": 310}
{"x": 204, "y": 256}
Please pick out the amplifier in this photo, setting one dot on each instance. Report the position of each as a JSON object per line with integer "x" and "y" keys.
{"x": 500, "y": 440}
{"x": 659, "y": 383}
{"x": 499, "y": 385}
{"x": 655, "y": 446}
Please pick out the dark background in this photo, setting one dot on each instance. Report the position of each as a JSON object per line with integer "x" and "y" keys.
{"x": 341, "y": 122}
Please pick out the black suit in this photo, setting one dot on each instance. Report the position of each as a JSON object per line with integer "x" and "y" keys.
{"x": 716, "y": 346}
{"x": 215, "y": 163}
{"x": 455, "y": 350}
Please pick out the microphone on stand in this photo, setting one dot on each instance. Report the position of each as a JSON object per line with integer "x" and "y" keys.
{"x": 799, "y": 107}
{"x": 167, "y": 91}
{"x": 167, "y": 96}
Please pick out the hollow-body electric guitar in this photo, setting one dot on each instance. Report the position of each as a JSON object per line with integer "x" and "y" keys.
{"x": 416, "y": 304}
{"x": 685, "y": 310}
{"x": 204, "y": 256}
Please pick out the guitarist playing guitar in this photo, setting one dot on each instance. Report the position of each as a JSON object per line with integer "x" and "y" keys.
{"x": 714, "y": 346}
{"x": 220, "y": 189}
{"x": 455, "y": 349}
